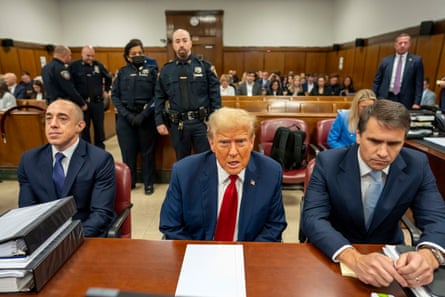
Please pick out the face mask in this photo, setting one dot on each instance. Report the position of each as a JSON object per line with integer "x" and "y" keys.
{"x": 138, "y": 60}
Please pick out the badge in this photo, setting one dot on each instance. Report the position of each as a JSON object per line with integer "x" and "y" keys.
{"x": 144, "y": 72}
{"x": 198, "y": 70}
{"x": 96, "y": 69}
{"x": 65, "y": 74}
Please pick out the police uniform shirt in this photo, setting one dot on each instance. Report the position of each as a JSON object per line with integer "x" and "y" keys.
{"x": 58, "y": 84}
{"x": 90, "y": 80}
{"x": 203, "y": 87}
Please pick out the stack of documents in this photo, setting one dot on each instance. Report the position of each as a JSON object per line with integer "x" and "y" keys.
{"x": 35, "y": 241}
{"x": 435, "y": 289}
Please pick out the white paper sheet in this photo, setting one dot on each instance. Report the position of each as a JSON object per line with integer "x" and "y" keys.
{"x": 212, "y": 270}
{"x": 437, "y": 140}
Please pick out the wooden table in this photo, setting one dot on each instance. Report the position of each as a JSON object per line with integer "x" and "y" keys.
{"x": 146, "y": 266}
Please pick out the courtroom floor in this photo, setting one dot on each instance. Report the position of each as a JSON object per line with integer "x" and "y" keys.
{"x": 145, "y": 212}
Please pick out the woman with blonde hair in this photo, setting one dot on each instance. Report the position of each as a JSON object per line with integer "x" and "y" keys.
{"x": 343, "y": 129}
{"x": 225, "y": 88}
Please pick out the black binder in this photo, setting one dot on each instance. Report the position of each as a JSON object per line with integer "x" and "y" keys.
{"x": 48, "y": 261}
{"x": 30, "y": 232}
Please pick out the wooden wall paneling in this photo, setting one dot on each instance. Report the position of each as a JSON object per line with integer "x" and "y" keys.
{"x": 386, "y": 49}
{"x": 295, "y": 61}
{"x": 348, "y": 62}
{"x": 160, "y": 55}
{"x": 274, "y": 61}
{"x": 38, "y": 53}
{"x": 358, "y": 68}
{"x": 316, "y": 62}
{"x": 115, "y": 60}
{"x": 429, "y": 48}
{"x": 9, "y": 60}
{"x": 234, "y": 60}
{"x": 371, "y": 63}
{"x": 253, "y": 61}
{"x": 102, "y": 57}
{"x": 27, "y": 62}
{"x": 440, "y": 71}
{"x": 332, "y": 62}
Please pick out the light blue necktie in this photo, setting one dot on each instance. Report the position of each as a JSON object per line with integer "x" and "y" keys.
{"x": 58, "y": 174}
{"x": 372, "y": 195}
{"x": 398, "y": 76}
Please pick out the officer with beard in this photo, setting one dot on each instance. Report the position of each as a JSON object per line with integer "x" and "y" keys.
{"x": 191, "y": 87}
{"x": 132, "y": 94}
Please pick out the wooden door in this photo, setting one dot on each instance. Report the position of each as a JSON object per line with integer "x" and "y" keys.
{"x": 205, "y": 28}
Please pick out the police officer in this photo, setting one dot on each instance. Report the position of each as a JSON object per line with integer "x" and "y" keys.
{"x": 57, "y": 78}
{"x": 192, "y": 89}
{"x": 132, "y": 94}
{"x": 93, "y": 83}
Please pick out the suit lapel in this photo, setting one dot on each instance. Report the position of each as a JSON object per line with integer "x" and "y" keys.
{"x": 248, "y": 200}
{"x": 349, "y": 180}
{"x": 45, "y": 164}
{"x": 390, "y": 196}
{"x": 208, "y": 181}
{"x": 76, "y": 163}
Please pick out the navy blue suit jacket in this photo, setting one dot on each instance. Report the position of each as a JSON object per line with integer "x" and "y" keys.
{"x": 190, "y": 207}
{"x": 412, "y": 83}
{"x": 90, "y": 179}
{"x": 333, "y": 209}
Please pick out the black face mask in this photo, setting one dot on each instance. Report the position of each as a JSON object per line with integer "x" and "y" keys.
{"x": 138, "y": 60}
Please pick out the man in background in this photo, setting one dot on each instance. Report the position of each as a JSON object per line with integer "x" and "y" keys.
{"x": 93, "y": 81}
{"x": 57, "y": 78}
{"x": 399, "y": 77}
{"x": 428, "y": 96}
{"x": 15, "y": 89}
{"x": 191, "y": 87}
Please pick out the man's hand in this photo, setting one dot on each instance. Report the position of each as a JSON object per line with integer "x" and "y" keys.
{"x": 162, "y": 129}
{"x": 84, "y": 107}
{"x": 415, "y": 106}
{"x": 373, "y": 269}
{"x": 417, "y": 267}
{"x": 138, "y": 119}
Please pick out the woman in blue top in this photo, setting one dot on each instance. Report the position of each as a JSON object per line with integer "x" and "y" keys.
{"x": 343, "y": 129}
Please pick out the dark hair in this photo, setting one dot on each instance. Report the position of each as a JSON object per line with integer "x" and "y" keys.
{"x": 132, "y": 43}
{"x": 391, "y": 114}
{"x": 3, "y": 88}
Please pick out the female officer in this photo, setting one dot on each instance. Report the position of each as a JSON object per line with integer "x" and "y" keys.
{"x": 132, "y": 94}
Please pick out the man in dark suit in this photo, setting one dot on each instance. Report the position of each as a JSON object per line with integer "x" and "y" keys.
{"x": 89, "y": 171}
{"x": 337, "y": 212}
{"x": 194, "y": 204}
{"x": 400, "y": 77}
{"x": 249, "y": 87}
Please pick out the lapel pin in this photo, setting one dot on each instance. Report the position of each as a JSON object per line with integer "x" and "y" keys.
{"x": 252, "y": 182}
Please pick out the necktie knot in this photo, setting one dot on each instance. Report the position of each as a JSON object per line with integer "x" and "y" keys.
{"x": 376, "y": 175}
{"x": 233, "y": 178}
{"x": 59, "y": 157}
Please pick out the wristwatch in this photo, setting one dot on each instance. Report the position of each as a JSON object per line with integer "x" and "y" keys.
{"x": 436, "y": 252}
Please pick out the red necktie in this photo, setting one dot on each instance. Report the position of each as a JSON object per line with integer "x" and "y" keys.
{"x": 225, "y": 227}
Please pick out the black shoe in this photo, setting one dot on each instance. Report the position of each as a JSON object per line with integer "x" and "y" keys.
{"x": 149, "y": 190}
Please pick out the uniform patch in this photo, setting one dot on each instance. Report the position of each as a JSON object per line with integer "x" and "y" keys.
{"x": 198, "y": 70}
{"x": 96, "y": 69}
{"x": 144, "y": 72}
{"x": 65, "y": 74}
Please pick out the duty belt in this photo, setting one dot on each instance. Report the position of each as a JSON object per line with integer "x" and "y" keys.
{"x": 135, "y": 108}
{"x": 177, "y": 117}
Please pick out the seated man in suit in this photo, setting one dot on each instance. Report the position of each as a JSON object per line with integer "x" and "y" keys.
{"x": 86, "y": 172}
{"x": 338, "y": 209}
{"x": 249, "y": 87}
{"x": 197, "y": 205}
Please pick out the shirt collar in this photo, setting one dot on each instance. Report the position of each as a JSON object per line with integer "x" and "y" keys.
{"x": 68, "y": 152}
{"x": 364, "y": 168}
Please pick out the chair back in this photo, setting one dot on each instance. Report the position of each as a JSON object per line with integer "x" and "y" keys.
{"x": 322, "y": 132}
{"x": 309, "y": 169}
{"x": 267, "y": 133}
{"x": 123, "y": 196}
{"x": 269, "y": 127}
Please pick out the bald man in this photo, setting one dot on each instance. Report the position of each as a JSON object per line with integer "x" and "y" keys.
{"x": 57, "y": 78}
{"x": 93, "y": 82}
